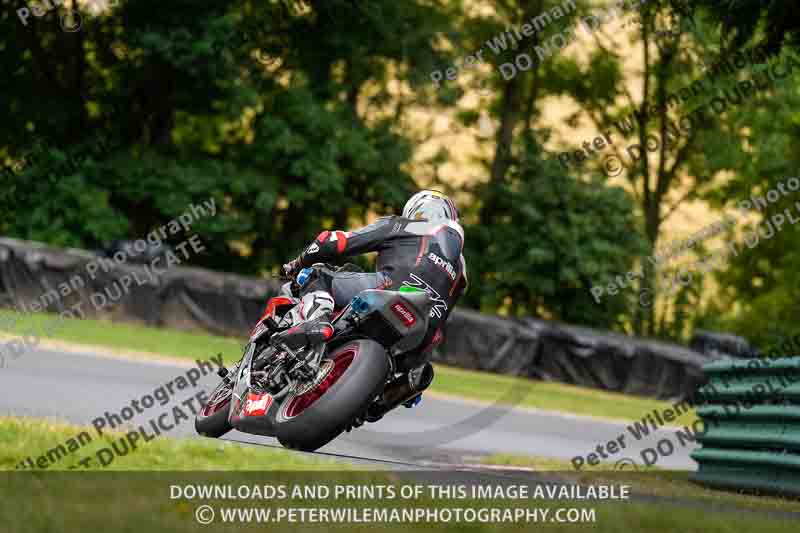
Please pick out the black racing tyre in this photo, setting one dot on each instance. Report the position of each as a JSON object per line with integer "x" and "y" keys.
{"x": 357, "y": 373}
{"x": 212, "y": 419}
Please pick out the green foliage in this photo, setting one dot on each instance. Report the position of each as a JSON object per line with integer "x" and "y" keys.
{"x": 761, "y": 283}
{"x": 255, "y": 104}
{"x": 669, "y": 43}
{"x": 772, "y": 23}
{"x": 294, "y": 115}
{"x": 550, "y": 238}
{"x": 537, "y": 237}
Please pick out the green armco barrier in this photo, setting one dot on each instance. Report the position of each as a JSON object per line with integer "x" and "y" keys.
{"x": 751, "y": 365}
{"x": 751, "y": 436}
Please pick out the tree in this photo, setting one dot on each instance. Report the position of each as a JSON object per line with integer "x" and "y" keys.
{"x": 549, "y": 236}
{"x": 665, "y": 133}
{"x": 537, "y": 236}
{"x": 276, "y": 112}
{"x": 759, "y": 296}
{"x": 772, "y": 23}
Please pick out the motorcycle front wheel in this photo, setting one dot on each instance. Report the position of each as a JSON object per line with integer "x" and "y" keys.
{"x": 212, "y": 420}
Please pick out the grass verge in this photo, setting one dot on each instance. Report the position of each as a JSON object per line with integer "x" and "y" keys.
{"x": 134, "y": 498}
{"x": 481, "y": 386}
{"x": 23, "y": 437}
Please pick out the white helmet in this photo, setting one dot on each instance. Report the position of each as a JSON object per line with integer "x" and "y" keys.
{"x": 430, "y": 205}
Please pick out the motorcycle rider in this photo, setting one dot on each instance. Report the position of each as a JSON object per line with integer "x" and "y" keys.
{"x": 423, "y": 248}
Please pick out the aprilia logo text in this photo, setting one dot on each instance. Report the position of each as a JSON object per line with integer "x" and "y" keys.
{"x": 404, "y": 314}
{"x": 443, "y": 264}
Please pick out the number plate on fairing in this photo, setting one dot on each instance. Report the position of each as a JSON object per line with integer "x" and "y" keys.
{"x": 257, "y": 404}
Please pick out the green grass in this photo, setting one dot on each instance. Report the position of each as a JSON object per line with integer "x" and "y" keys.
{"x": 650, "y": 480}
{"x": 547, "y": 395}
{"x": 467, "y": 384}
{"x": 27, "y": 437}
{"x": 125, "y": 336}
{"x": 132, "y": 498}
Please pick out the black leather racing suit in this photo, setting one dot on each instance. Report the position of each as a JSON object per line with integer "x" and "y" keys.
{"x": 418, "y": 253}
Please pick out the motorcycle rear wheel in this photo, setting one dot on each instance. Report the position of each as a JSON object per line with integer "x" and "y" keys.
{"x": 357, "y": 374}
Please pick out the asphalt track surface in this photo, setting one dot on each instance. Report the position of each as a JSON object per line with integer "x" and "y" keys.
{"x": 78, "y": 388}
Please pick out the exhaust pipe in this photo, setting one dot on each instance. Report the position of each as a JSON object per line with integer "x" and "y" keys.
{"x": 400, "y": 390}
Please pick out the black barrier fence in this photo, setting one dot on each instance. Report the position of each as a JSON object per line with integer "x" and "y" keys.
{"x": 571, "y": 354}
{"x": 196, "y": 299}
{"x": 721, "y": 344}
{"x": 33, "y": 275}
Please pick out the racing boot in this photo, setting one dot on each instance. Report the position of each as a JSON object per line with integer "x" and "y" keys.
{"x": 312, "y": 319}
{"x": 309, "y": 333}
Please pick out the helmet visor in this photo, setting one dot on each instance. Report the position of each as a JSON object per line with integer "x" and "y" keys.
{"x": 431, "y": 210}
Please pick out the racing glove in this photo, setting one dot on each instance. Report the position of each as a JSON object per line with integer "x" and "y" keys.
{"x": 291, "y": 268}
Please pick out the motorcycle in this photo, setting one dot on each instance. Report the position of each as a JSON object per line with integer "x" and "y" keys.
{"x": 307, "y": 397}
